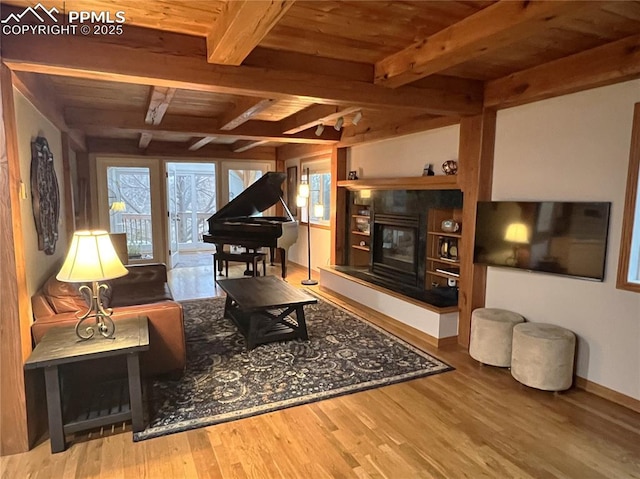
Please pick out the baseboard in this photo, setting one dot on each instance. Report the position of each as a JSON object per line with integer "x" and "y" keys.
{"x": 608, "y": 394}
{"x": 414, "y": 336}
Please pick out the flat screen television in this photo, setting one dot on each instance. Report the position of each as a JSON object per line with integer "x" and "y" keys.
{"x": 566, "y": 238}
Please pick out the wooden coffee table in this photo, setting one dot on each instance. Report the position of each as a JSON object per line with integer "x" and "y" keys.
{"x": 262, "y": 309}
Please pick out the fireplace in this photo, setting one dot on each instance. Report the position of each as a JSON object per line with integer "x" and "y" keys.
{"x": 395, "y": 248}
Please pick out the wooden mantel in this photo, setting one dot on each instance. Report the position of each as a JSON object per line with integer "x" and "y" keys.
{"x": 438, "y": 182}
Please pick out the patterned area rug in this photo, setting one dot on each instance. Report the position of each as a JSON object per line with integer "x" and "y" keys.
{"x": 223, "y": 381}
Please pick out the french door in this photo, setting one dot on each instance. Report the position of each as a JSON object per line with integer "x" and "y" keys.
{"x": 130, "y": 201}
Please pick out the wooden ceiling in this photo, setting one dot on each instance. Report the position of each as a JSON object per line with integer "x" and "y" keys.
{"x": 208, "y": 77}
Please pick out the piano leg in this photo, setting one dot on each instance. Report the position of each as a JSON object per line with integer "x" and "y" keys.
{"x": 272, "y": 255}
{"x": 283, "y": 261}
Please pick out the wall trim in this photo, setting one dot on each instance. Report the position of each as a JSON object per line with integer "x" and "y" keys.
{"x": 608, "y": 394}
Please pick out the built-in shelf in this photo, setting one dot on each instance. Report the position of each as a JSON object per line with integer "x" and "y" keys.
{"x": 362, "y": 248}
{"x": 361, "y": 233}
{"x": 442, "y": 233}
{"x": 438, "y": 182}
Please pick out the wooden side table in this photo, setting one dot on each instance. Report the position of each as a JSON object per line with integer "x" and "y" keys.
{"x": 61, "y": 346}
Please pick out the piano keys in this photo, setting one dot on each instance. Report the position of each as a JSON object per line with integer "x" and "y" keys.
{"x": 238, "y": 222}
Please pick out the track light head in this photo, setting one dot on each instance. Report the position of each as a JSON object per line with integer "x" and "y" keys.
{"x": 339, "y": 123}
{"x": 356, "y": 118}
{"x": 319, "y": 129}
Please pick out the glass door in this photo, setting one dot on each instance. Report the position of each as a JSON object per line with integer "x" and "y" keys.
{"x": 239, "y": 176}
{"x": 128, "y": 190}
{"x": 172, "y": 215}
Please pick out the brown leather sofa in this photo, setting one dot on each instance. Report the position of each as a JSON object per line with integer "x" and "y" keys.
{"x": 144, "y": 291}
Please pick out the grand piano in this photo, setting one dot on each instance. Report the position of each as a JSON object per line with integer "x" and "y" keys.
{"x": 237, "y": 222}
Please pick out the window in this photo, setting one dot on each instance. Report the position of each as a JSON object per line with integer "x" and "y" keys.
{"x": 319, "y": 194}
{"x": 629, "y": 262}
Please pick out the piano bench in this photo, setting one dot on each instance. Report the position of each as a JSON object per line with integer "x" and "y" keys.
{"x": 248, "y": 258}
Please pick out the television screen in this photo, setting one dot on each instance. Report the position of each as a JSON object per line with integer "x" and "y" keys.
{"x": 567, "y": 238}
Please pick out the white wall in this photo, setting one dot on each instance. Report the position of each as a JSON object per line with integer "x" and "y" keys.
{"x": 405, "y": 155}
{"x": 574, "y": 148}
{"x": 31, "y": 124}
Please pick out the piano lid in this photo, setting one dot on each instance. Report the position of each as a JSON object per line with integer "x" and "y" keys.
{"x": 260, "y": 195}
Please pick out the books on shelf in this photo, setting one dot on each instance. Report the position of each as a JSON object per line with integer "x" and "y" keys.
{"x": 450, "y": 271}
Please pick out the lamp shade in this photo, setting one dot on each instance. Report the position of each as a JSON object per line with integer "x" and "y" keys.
{"x": 118, "y": 206}
{"x": 517, "y": 233}
{"x": 91, "y": 257}
{"x": 301, "y": 201}
{"x": 303, "y": 190}
{"x": 318, "y": 210}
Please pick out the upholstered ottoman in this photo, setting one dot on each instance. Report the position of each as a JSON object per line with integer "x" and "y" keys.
{"x": 491, "y": 332}
{"x": 542, "y": 356}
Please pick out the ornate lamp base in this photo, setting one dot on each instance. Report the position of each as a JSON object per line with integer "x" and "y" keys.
{"x": 103, "y": 322}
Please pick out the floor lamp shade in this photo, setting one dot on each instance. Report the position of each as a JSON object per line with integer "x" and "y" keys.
{"x": 92, "y": 258}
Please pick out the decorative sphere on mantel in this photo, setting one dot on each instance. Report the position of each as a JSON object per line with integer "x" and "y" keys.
{"x": 450, "y": 167}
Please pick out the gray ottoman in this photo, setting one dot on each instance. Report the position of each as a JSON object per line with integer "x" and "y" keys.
{"x": 491, "y": 333}
{"x": 542, "y": 356}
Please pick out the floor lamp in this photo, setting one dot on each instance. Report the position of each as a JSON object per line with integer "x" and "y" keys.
{"x": 303, "y": 199}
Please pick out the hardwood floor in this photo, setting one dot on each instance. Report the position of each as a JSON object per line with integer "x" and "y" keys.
{"x": 472, "y": 422}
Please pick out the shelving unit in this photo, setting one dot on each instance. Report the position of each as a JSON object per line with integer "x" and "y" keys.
{"x": 360, "y": 234}
{"x": 443, "y": 260}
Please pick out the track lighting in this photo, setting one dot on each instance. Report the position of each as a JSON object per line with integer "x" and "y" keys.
{"x": 356, "y": 118}
{"x": 339, "y": 123}
{"x": 319, "y": 129}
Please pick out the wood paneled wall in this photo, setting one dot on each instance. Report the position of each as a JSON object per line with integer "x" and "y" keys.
{"x": 15, "y": 338}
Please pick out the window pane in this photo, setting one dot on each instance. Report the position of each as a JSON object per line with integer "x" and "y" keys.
{"x": 320, "y": 196}
{"x": 130, "y": 208}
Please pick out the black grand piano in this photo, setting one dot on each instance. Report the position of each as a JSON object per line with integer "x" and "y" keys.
{"x": 237, "y": 222}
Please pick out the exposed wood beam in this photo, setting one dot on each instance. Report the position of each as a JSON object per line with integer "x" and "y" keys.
{"x": 314, "y": 115}
{"x": 475, "y": 154}
{"x": 351, "y": 136}
{"x": 245, "y": 145}
{"x": 99, "y": 122}
{"x": 145, "y": 139}
{"x": 127, "y": 59}
{"x": 38, "y": 90}
{"x": 493, "y": 27}
{"x": 243, "y": 111}
{"x": 197, "y": 144}
{"x": 604, "y": 65}
{"x": 14, "y": 293}
{"x": 159, "y": 100}
{"x": 298, "y": 151}
{"x": 171, "y": 149}
{"x": 313, "y": 64}
{"x": 239, "y": 28}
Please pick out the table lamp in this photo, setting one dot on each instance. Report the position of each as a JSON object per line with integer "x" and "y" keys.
{"x": 92, "y": 257}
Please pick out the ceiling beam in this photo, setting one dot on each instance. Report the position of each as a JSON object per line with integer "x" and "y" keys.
{"x": 145, "y": 139}
{"x": 37, "y": 89}
{"x": 240, "y": 27}
{"x": 493, "y": 27}
{"x": 314, "y": 115}
{"x": 159, "y": 99}
{"x": 292, "y": 151}
{"x": 199, "y": 143}
{"x": 171, "y": 60}
{"x": 243, "y": 111}
{"x": 614, "y": 62}
{"x": 351, "y": 136}
{"x": 172, "y": 149}
{"x": 98, "y": 121}
{"x": 244, "y": 145}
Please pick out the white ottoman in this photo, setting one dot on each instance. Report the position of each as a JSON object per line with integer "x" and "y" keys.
{"x": 542, "y": 356}
{"x": 491, "y": 333}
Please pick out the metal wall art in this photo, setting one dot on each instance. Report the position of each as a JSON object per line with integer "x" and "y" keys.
{"x": 45, "y": 195}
